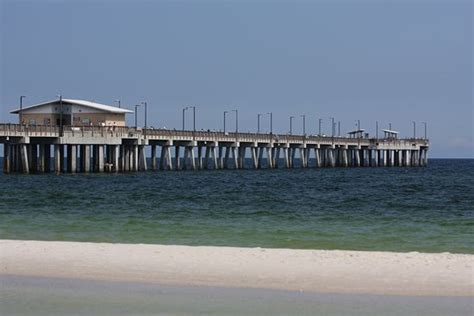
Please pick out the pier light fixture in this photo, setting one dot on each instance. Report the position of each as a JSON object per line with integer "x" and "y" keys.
{"x": 118, "y": 102}
{"x": 194, "y": 116}
{"x": 338, "y": 128}
{"x": 320, "y": 125}
{"x": 236, "y": 120}
{"x": 60, "y": 113}
{"x": 146, "y": 114}
{"x": 225, "y": 113}
{"x": 426, "y": 130}
{"x": 271, "y": 122}
{"x": 136, "y": 121}
{"x": 183, "y": 117}
{"x": 332, "y": 126}
{"x": 414, "y": 129}
{"x": 291, "y": 124}
{"x": 358, "y": 125}
{"x": 21, "y": 108}
{"x": 377, "y": 129}
{"x": 304, "y": 123}
{"x": 258, "y": 123}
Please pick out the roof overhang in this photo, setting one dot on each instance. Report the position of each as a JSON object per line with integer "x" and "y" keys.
{"x": 89, "y": 104}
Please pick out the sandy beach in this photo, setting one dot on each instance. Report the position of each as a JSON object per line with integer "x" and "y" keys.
{"x": 353, "y": 272}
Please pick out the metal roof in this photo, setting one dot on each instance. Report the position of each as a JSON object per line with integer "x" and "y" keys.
{"x": 357, "y": 131}
{"x": 89, "y": 104}
{"x": 389, "y": 131}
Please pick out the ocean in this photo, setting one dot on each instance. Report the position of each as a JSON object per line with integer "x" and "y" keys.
{"x": 380, "y": 209}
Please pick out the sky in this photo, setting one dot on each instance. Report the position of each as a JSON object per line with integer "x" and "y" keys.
{"x": 387, "y": 61}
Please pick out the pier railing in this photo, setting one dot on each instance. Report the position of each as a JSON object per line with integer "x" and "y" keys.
{"x": 16, "y": 130}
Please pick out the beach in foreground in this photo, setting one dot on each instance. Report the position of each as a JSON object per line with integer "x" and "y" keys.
{"x": 350, "y": 272}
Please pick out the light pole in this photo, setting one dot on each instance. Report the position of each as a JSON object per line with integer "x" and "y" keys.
{"x": 377, "y": 129}
{"x": 184, "y": 110}
{"x": 271, "y": 122}
{"x": 236, "y": 120}
{"x": 390, "y": 126}
{"x": 136, "y": 121}
{"x": 358, "y": 125}
{"x": 21, "y": 109}
{"x": 291, "y": 124}
{"x": 146, "y": 114}
{"x": 225, "y": 112}
{"x": 426, "y": 130}
{"x": 332, "y": 126}
{"x": 258, "y": 123}
{"x": 118, "y": 101}
{"x": 339, "y": 128}
{"x": 194, "y": 116}
{"x": 60, "y": 113}
{"x": 320, "y": 123}
{"x": 304, "y": 124}
{"x": 414, "y": 129}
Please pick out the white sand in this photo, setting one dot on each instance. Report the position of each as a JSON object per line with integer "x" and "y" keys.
{"x": 331, "y": 271}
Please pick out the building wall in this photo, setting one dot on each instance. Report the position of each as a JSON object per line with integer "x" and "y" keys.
{"x": 80, "y": 119}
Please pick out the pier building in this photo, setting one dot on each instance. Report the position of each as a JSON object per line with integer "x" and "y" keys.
{"x": 69, "y": 112}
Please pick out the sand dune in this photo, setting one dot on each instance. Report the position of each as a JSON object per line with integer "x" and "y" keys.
{"x": 329, "y": 271}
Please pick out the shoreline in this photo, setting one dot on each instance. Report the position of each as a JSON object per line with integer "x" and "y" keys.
{"x": 322, "y": 271}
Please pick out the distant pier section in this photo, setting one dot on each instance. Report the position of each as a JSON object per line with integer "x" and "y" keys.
{"x": 74, "y": 144}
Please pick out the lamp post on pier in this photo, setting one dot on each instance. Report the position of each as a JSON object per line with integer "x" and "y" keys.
{"x": 426, "y": 130}
{"x": 118, "y": 101}
{"x": 258, "y": 123}
{"x": 332, "y": 126}
{"x": 271, "y": 122}
{"x": 136, "y": 119}
{"x": 236, "y": 120}
{"x": 21, "y": 108}
{"x": 414, "y": 129}
{"x": 376, "y": 129}
{"x": 291, "y": 124}
{"x": 225, "y": 112}
{"x": 304, "y": 124}
{"x": 320, "y": 124}
{"x": 184, "y": 122}
{"x": 146, "y": 115}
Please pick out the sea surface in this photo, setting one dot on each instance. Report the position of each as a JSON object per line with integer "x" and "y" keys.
{"x": 383, "y": 209}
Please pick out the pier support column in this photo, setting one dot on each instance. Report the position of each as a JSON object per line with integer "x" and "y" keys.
{"x": 86, "y": 158}
{"x": 25, "y": 167}
{"x": 177, "y": 165}
{"x": 276, "y": 158}
{"x": 116, "y": 158}
{"x": 221, "y": 159}
{"x": 226, "y": 159}
{"x": 254, "y": 157}
{"x": 100, "y": 158}
{"x": 34, "y": 158}
{"x": 260, "y": 157}
{"x": 292, "y": 157}
{"x": 200, "y": 165}
{"x": 42, "y": 159}
{"x": 357, "y": 157}
{"x": 317, "y": 156}
{"x": 71, "y": 158}
{"x": 383, "y": 152}
{"x": 142, "y": 163}
{"x": 344, "y": 156}
{"x": 214, "y": 157}
{"x": 57, "y": 158}
{"x": 286, "y": 157}
{"x": 235, "y": 157}
{"x": 153, "y": 158}
{"x": 162, "y": 158}
{"x": 425, "y": 157}
{"x": 269, "y": 158}
{"x": 47, "y": 157}
{"x": 6, "y": 158}
{"x": 207, "y": 157}
{"x": 192, "y": 157}
{"x": 302, "y": 158}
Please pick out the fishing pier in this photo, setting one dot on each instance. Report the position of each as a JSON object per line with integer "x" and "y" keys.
{"x": 86, "y": 149}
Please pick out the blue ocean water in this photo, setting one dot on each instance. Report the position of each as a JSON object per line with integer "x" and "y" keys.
{"x": 388, "y": 209}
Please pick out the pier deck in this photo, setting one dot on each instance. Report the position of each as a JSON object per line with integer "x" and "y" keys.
{"x": 122, "y": 149}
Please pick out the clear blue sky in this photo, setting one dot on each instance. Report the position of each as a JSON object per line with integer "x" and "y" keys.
{"x": 392, "y": 61}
